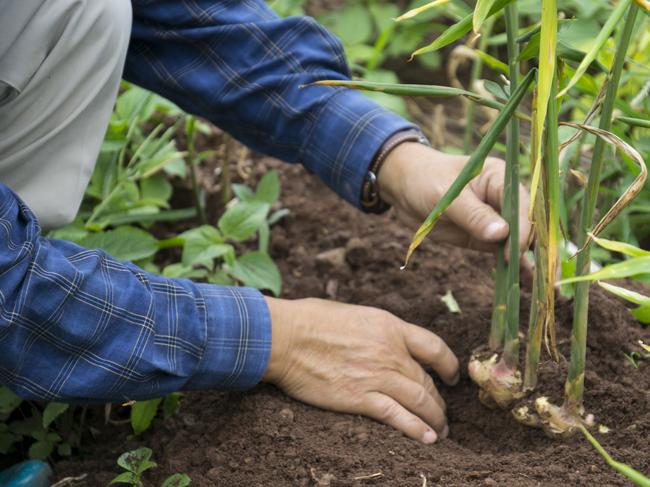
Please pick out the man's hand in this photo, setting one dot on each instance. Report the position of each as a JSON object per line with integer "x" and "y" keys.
{"x": 414, "y": 177}
{"x": 360, "y": 360}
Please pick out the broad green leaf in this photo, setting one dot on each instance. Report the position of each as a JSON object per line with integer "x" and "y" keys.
{"x": 156, "y": 188}
{"x": 7, "y": 440}
{"x": 202, "y": 252}
{"x": 40, "y": 450}
{"x": 123, "y": 243}
{"x": 171, "y": 404}
{"x": 481, "y": 11}
{"x": 628, "y": 268}
{"x": 52, "y": 411}
{"x": 125, "y": 478}
{"x": 242, "y": 220}
{"x": 256, "y": 269}
{"x": 131, "y": 460}
{"x": 175, "y": 271}
{"x": 177, "y": 480}
{"x": 243, "y": 192}
{"x": 604, "y": 34}
{"x": 352, "y": 24}
{"x": 621, "y": 247}
{"x": 8, "y": 401}
{"x": 474, "y": 164}
{"x": 142, "y": 414}
{"x": 268, "y": 189}
{"x": 458, "y": 30}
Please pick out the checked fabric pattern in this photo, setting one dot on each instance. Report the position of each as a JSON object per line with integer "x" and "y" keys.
{"x": 78, "y": 325}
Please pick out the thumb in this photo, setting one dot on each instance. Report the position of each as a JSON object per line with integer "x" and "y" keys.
{"x": 477, "y": 218}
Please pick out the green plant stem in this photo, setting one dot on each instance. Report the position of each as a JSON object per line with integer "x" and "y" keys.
{"x": 477, "y": 69}
{"x": 171, "y": 242}
{"x": 574, "y": 387}
{"x": 635, "y": 476}
{"x": 192, "y": 162}
{"x": 511, "y": 335}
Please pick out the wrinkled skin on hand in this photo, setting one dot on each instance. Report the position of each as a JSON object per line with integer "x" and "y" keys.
{"x": 361, "y": 360}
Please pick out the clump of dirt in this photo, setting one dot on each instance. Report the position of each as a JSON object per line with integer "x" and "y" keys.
{"x": 263, "y": 438}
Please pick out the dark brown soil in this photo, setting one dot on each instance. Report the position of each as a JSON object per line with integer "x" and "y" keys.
{"x": 263, "y": 438}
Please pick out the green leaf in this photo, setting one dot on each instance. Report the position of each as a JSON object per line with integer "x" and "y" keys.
{"x": 8, "y": 401}
{"x": 621, "y": 247}
{"x": 52, "y": 411}
{"x": 604, "y": 34}
{"x": 202, "y": 252}
{"x": 268, "y": 189}
{"x": 171, "y": 404}
{"x": 40, "y": 450}
{"x": 142, "y": 414}
{"x": 628, "y": 268}
{"x": 177, "y": 480}
{"x": 243, "y": 192}
{"x": 481, "y": 11}
{"x": 175, "y": 271}
{"x": 131, "y": 460}
{"x": 157, "y": 189}
{"x": 352, "y": 24}
{"x": 123, "y": 243}
{"x": 473, "y": 165}
{"x": 642, "y": 313}
{"x": 125, "y": 478}
{"x": 256, "y": 269}
{"x": 459, "y": 29}
{"x": 242, "y": 220}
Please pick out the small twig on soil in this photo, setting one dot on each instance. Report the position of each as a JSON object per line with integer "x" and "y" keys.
{"x": 70, "y": 480}
{"x": 372, "y": 476}
{"x": 424, "y": 480}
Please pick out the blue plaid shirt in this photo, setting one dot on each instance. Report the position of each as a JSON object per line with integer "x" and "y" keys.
{"x": 76, "y": 324}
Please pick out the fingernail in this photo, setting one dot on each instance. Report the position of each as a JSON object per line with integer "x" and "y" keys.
{"x": 445, "y": 432}
{"x": 429, "y": 437}
{"x": 494, "y": 230}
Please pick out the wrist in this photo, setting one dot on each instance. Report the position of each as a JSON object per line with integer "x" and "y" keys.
{"x": 282, "y": 313}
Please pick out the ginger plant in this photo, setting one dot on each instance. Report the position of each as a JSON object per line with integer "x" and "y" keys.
{"x": 496, "y": 368}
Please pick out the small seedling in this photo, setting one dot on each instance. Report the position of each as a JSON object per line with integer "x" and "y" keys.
{"x": 137, "y": 462}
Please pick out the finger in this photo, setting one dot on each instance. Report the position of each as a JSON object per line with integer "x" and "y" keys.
{"x": 480, "y": 220}
{"x": 388, "y": 411}
{"x": 415, "y": 372}
{"x": 428, "y": 348}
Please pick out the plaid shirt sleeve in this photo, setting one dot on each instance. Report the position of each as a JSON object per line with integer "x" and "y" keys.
{"x": 78, "y": 325}
{"x": 239, "y": 65}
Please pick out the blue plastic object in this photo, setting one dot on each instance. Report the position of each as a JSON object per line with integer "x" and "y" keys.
{"x": 32, "y": 473}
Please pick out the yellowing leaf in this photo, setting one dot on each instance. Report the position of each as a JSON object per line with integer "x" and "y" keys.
{"x": 417, "y": 11}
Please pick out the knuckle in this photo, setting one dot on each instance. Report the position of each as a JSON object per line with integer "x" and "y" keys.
{"x": 388, "y": 411}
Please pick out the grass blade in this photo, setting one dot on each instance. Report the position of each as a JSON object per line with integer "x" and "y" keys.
{"x": 635, "y": 122}
{"x": 620, "y": 247}
{"x": 481, "y": 12}
{"x": 613, "y": 20}
{"x": 416, "y": 90}
{"x": 474, "y": 164}
{"x": 626, "y": 294}
{"x": 417, "y": 11}
{"x": 458, "y": 30}
{"x": 620, "y": 270}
